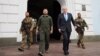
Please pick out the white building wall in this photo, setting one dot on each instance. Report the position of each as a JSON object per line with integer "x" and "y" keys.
{"x": 11, "y": 14}
{"x": 96, "y": 16}
{"x": 8, "y": 18}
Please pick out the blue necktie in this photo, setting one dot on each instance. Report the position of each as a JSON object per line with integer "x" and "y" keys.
{"x": 66, "y": 16}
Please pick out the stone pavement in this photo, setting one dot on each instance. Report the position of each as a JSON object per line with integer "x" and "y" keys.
{"x": 92, "y": 49}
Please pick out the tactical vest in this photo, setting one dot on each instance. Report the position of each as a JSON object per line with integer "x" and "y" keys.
{"x": 26, "y": 24}
{"x": 80, "y": 25}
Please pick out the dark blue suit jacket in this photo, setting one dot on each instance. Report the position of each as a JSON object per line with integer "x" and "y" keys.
{"x": 63, "y": 24}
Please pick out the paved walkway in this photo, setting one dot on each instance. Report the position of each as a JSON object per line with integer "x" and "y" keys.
{"x": 92, "y": 49}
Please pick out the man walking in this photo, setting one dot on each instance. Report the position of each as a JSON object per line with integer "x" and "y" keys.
{"x": 26, "y": 30}
{"x": 45, "y": 27}
{"x": 64, "y": 27}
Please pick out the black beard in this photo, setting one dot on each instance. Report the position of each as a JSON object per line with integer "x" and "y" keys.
{"x": 79, "y": 17}
{"x": 45, "y": 14}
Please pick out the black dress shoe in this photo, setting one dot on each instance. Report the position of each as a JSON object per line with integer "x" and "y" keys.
{"x": 46, "y": 51}
{"x": 20, "y": 49}
{"x": 66, "y": 53}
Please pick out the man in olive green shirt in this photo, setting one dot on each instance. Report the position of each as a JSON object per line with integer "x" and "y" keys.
{"x": 45, "y": 27}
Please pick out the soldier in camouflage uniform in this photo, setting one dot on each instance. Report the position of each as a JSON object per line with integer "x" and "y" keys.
{"x": 80, "y": 28}
{"x": 26, "y": 30}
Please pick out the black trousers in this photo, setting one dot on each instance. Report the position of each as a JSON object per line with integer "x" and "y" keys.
{"x": 66, "y": 40}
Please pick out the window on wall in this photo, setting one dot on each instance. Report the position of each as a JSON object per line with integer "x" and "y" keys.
{"x": 83, "y": 7}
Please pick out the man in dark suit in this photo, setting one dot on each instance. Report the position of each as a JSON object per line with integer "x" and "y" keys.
{"x": 64, "y": 27}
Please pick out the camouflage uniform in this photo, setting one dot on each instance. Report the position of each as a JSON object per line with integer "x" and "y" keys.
{"x": 34, "y": 31}
{"x": 80, "y": 24}
{"x": 26, "y": 27}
